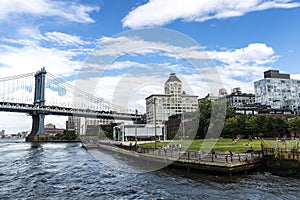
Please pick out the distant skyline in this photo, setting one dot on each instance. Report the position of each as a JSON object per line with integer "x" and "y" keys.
{"x": 242, "y": 38}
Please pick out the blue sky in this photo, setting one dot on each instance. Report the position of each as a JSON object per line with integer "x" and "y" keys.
{"x": 241, "y": 39}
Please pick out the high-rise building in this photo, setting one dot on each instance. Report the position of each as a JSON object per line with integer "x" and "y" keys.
{"x": 175, "y": 101}
{"x": 278, "y": 91}
{"x": 74, "y": 123}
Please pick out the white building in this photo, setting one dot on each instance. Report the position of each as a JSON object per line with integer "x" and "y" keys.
{"x": 278, "y": 91}
{"x": 175, "y": 101}
{"x": 134, "y": 132}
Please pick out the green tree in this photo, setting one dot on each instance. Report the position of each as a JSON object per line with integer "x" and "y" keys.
{"x": 69, "y": 135}
{"x": 204, "y": 115}
{"x": 278, "y": 127}
{"x": 262, "y": 126}
{"x": 241, "y": 124}
{"x": 250, "y": 125}
{"x": 229, "y": 111}
{"x": 108, "y": 130}
{"x": 294, "y": 125}
{"x": 217, "y": 111}
{"x": 231, "y": 127}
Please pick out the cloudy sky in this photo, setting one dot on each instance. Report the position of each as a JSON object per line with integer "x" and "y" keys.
{"x": 123, "y": 51}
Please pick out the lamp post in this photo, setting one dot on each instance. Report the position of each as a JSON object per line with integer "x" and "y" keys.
{"x": 136, "y": 112}
{"x": 154, "y": 102}
{"x": 183, "y": 129}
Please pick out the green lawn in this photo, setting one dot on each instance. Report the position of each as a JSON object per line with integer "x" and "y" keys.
{"x": 223, "y": 145}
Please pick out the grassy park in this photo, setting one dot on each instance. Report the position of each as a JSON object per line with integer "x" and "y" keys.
{"x": 223, "y": 145}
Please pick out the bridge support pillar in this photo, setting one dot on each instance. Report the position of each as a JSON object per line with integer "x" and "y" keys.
{"x": 37, "y": 133}
{"x": 39, "y": 102}
{"x": 37, "y": 138}
{"x": 41, "y": 129}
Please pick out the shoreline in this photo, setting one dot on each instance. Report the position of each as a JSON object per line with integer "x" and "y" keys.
{"x": 280, "y": 166}
{"x": 180, "y": 161}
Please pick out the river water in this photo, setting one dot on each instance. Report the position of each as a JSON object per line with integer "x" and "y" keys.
{"x": 67, "y": 171}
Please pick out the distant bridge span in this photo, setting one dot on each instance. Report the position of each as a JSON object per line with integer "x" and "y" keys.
{"x": 63, "y": 111}
{"x": 13, "y": 86}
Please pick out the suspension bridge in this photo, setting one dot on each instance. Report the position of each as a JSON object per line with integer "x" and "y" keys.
{"x": 26, "y": 93}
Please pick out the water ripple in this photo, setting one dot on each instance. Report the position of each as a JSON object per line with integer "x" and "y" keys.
{"x": 66, "y": 171}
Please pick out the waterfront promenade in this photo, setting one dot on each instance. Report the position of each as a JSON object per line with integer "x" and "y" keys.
{"x": 216, "y": 162}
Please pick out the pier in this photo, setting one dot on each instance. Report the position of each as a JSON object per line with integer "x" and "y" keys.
{"x": 219, "y": 162}
{"x": 282, "y": 161}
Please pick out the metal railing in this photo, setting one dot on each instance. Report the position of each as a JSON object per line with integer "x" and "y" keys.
{"x": 199, "y": 156}
{"x": 181, "y": 154}
{"x": 284, "y": 153}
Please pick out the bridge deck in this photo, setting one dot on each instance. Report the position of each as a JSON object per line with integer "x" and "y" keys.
{"x": 64, "y": 111}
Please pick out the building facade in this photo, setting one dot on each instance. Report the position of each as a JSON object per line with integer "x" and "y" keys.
{"x": 242, "y": 103}
{"x": 138, "y": 132}
{"x": 52, "y": 130}
{"x": 237, "y": 99}
{"x": 278, "y": 91}
{"x": 75, "y": 123}
{"x": 175, "y": 101}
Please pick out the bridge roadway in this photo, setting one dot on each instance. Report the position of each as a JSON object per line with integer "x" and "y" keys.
{"x": 64, "y": 111}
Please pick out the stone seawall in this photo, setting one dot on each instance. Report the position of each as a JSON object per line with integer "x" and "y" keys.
{"x": 36, "y": 138}
{"x": 282, "y": 166}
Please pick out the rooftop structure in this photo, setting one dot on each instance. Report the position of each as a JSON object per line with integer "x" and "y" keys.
{"x": 175, "y": 101}
{"x": 275, "y": 74}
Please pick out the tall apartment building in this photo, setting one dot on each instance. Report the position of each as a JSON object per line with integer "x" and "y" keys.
{"x": 278, "y": 91}
{"x": 175, "y": 101}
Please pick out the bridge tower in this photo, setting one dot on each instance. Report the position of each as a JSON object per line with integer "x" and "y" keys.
{"x": 39, "y": 101}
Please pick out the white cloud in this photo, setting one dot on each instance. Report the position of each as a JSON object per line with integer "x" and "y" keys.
{"x": 158, "y": 13}
{"x": 13, "y": 123}
{"x": 122, "y": 65}
{"x": 35, "y": 50}
{"x": 64, "y": 39}
{"x": 240, "y": 67}
{"x": 46, "y": 8}
{"x": 237, "y": 67}
{"x": 128, "y": 89}
{"x": 31, "y": 58}
{"x": 122, "y": 45}
{"x": 241, "y": 76}
{"x": 256, "y": 53}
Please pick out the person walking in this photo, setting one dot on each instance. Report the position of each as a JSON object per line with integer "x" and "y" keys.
{"x": 231, "y": 155}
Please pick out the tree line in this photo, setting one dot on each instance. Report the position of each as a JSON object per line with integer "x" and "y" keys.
{"x": 211, "y": 113}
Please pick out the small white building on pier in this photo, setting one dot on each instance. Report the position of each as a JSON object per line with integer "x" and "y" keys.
{"x": 138, "y": 132}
